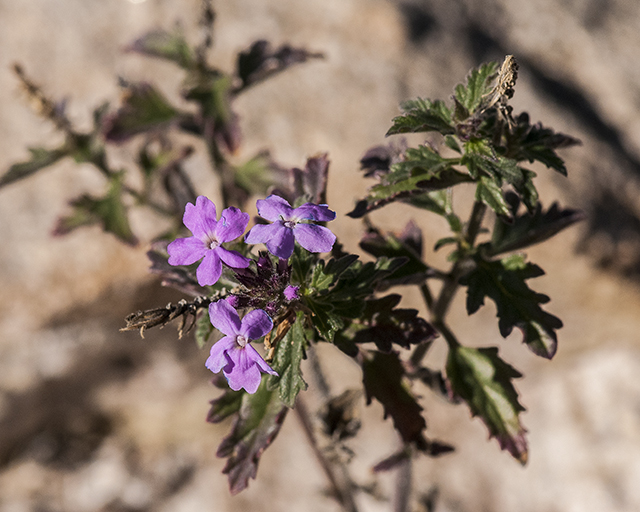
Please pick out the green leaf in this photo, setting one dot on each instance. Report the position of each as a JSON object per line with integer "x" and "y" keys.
{"x": 260, "y": 174}
{"x": 527, "y": 230}
{"x": 479, "y": 84}
{"x": 144, "y": 108}
{"x": 535, "y": 142}
{"x": 518, "y": 306}
{"x": 393, "y": 246}
{"x": 481, "y": 160}
{"x": 204, "y": 328}
{"x": 260, "y": 61}
{"x": 257, "y": 424}
{"x": 171, "y": 46}
{"x": 490, "y": 194}
{"x": 40, "y": 158}
{"x": 109, "y": 211}
{"x": 423, "y": 159}
{"x": 398, "y": 187}
{"x": 483, "y": 380}
{"x": 422, "y": 115}
{"x": 225, "y": 405}
{"x": 324, "y": 276}
{"x": 383, "y": 376}
{"x": 287, "y": 359}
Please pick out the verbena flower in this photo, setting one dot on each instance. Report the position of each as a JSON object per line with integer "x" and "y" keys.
{"x": 208, "y": 236}
{"x": 288, "y": 225}
{"x": 233, "y": 354}
{"x": 291, "y": 292}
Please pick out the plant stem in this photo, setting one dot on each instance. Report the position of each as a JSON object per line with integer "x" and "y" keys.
{"x": 450, "y": 286}
{"x": 337, "y": 474}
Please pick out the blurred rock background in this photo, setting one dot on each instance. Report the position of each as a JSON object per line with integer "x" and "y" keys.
{"x": 96, "y": 420}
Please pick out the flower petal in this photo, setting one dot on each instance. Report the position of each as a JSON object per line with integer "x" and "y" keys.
{"x": 232, "y": 258}
{"x": 210, "y": 269}
{"x": 244, "y": 373}
{"x": 255, "y": 324}
{"x": 218, "y": 359}
{"x": 224, "y": 318}
{"x": 185, "y": 251}
{"x": 201, "y": 218}
{"x": 252, "y": 353}
{"x": 318, "y": 212}
{"x": 231, "y": 225}
{"x": 314, "y": 238}
{"x": 274, "y": 208}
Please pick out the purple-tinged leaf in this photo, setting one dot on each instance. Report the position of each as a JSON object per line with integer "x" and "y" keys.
{"x": 165, "y": 45}
{"x": 518, "y": 305}
{"x": 527, "y": 230}
{"x": 225, "y": 405}
{"x": 176, "y": 277}
{"x": 377, "y": 161}
{"x": 383, "y": 376}
{"x": 260, "y": 61}
{"x": 258, "y": 421}
{"x": 311, "y": 182}
{"x": 483, "y": 380}
{"x": 143, "y": 109}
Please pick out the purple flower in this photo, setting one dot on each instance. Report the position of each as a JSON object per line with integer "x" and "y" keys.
{"x": 233, "y": 354}
{"x": 208, "y": 235}
{"x": 291, "y": 292}
{"x": 288, "y": 225}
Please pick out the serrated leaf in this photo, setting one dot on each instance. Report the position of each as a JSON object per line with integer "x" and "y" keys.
{"x": 535, "y": 142}
{"x": 287, "y": 359}
{"x": 482, "y": 160}
{"x": 383, "y": 376}
{"x": 165, "y": 45}
{"x": 490, "y": 194}
{"x": 405, "y": 189}
{"x": 479, "y": 84}
{"x": 109, "y": 211}
{"x": 518, "y": 306}
{"x": 423, "y": 159}
{"x": 225, "y": 405}
{"x": 257, "y": 424}
{"x": 527, "y": 230}
{"x": 386, "y": 326}
{"x": 483, "y": 380}
{"x": 260, "y": 61}
{"x": 324, "y": 319}
{"x": 392, "y": 246}
{"x": 203, "y": 330}
{"x": 144, "y": 108}
{"x": 40, "y": 158}
{"x": 324, "y": 276}
{"x": 422, "y": 115}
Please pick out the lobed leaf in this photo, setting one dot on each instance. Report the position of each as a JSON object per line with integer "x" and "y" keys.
{"x": 479, "y": 84}
{"x": 260, "y": 61}
{"x": 518, "y": 306}
{"x": 423, "y": 115}
{"x": 483, "y": 380}
{"x": 490, "y": 194}
{"x": 258, "y": 421}
{"x": 40, "y": 158}
{"x": 287, "y": 359}
{"x": 109, "y": 211}
{"x": 383, "y": 376}
{"x": 144, "y": 108}
{"x": 527, "y": 230}
{"x": 203, "y": 331}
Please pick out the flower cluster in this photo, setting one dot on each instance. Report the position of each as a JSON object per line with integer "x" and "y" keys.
{"x": 268, "y": 285}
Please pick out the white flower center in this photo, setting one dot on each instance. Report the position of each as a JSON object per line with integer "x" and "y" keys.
{"x": 289, "y": 224}
{"x": 241, "y": 340}
{"x": 213, "y": 244}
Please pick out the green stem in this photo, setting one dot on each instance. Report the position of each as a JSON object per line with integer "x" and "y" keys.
{"x": 450, "y": 286}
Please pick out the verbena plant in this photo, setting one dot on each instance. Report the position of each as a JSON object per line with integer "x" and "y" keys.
{"x": 304, "y": 289}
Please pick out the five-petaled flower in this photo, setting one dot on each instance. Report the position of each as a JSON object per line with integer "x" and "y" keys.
{"x": 208, "y": 235}
{"x": 233, "y": 354}
{"x": 288, "y": 224}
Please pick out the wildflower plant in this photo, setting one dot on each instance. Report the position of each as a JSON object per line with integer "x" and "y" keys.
{"x": 306, "y": 289}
